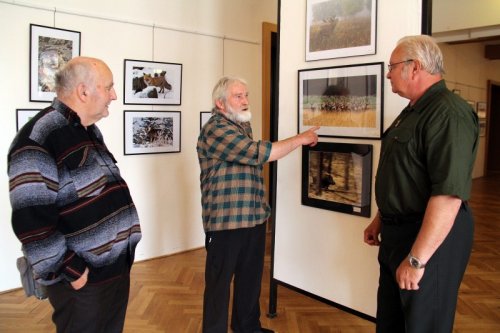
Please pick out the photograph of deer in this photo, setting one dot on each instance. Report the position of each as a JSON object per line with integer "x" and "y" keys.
{"x": 340, "y": 28}
{"x": 149, "y": 132}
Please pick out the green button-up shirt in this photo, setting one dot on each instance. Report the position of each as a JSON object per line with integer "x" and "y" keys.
{"x": 232, "y": 187}
{"x": 429, "y": 150}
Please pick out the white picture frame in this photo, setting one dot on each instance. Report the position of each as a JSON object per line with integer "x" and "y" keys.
{"x": 340, "y": 28}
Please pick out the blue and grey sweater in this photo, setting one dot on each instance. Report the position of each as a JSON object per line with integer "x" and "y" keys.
{"x": 71, "y": 208}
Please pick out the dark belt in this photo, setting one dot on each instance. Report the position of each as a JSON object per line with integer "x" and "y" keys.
{"x": 401, "y": 219}
{"x": 408, "y": 219}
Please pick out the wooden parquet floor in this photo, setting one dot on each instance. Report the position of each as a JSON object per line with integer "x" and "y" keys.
{"x": 166, "y": 293}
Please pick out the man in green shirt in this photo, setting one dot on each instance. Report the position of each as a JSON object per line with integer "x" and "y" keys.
{"x": 422, "y": 187}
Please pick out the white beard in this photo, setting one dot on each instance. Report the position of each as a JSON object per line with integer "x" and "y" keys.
{"x": 238, "y": 116}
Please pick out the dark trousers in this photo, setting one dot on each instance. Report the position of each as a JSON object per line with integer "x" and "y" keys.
{"x": 98, "y": 308}
{"x": 431, "y": 308}
{"x": 238, "y": 253}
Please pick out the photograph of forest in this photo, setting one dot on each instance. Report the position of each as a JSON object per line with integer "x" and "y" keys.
{"x": 153, "y": 132}
{"x": 337, "y": 176}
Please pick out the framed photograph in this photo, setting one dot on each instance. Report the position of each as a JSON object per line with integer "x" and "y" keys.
{"x": 338, "y": 177}
{"x": 151, "y": 82}
{"x": 482, "y": 126}
{"x": 50, "y": 48}
{"x": 481, "y": 109}
{"x": 204, "y": 117}
{"x": 340, "y": 28}
{"x": 152, "y": 132}
{"x": 346, "y": 101}
{"x": 23, "y": 116}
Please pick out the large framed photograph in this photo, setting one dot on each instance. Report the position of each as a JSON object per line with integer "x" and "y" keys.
{"x": 23, "y": 116}
{"x": 152, "y": 132}
{"x": 152, "y": 82}
{"x": 50, "y": 49}
{"x": 338, "y": 177}
{"x": 346, "y": 101}
{"x": 340, "y": 28}
{"x": 204, "y": 117}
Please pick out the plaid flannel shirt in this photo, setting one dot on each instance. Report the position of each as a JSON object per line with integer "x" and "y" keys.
{"x": 232, "y": 187}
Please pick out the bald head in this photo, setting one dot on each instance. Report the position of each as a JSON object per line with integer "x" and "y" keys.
{"x": 79, "y": 70}
{"x": 86, "y": 86}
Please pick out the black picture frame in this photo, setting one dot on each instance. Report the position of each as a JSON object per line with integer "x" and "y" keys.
{"x": 23, "y": 116}
{"x": 345, "y": 101}
{"x": 204, "y": 117}
{"x": 50, "y": 49}
{"x": 152, "y": 82}
{"x": 340, "y": 28}
{"x": 338, "y": 177}
{"x": 151, "y": 132}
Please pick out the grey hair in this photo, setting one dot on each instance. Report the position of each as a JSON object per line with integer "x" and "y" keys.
{"x": 75, "y": 72}
{"x": 424, "y": 49}
{"x": 221, "y": 88}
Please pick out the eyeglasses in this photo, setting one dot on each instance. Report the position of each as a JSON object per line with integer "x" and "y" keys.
{"x": 391, "y": 66}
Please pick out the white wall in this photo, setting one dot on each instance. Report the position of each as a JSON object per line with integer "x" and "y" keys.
{"x": 454, "y": 20}
{"x": 165, "y": 187}
{"x": 450, "y": 15}
{"x": 321, "y": 251}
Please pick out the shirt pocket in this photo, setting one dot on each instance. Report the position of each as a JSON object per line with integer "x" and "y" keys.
{"x": 397, "y": 145}
{"x": 84, "y": 173}
{"x": 401, "y": 136}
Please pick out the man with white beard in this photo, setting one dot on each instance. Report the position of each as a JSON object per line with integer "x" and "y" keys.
{"x": 234, "y": 208}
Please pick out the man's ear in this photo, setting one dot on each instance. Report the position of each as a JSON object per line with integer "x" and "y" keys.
{"x": 220, "y": 105}
{"x": 416, "y": 65}
{"x": 81, "y": 90}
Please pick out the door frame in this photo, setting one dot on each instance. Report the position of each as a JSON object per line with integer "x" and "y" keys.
{"x": 489, "y": 126}
{"x": 267, "y": 30}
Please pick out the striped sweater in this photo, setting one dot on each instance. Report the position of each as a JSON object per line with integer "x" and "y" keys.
{"x": 71, "y": 209}
{"x": 232, "y": 187}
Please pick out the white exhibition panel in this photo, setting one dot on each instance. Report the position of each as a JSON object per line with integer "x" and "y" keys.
{"x": 321, "y": 251}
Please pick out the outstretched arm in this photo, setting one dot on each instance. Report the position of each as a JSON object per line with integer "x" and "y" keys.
{"x": 284, "y": 147}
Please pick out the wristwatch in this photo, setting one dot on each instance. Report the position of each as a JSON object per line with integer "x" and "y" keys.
{"x": 415, "y": 262}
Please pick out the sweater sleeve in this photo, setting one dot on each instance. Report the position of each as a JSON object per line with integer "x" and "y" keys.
{"x": 33, "y": 188}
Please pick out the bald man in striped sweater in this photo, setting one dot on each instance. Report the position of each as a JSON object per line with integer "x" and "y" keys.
{"x": 71, "y": 209}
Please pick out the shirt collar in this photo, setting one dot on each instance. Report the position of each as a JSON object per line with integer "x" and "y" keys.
{"x": 428, "y": 96}
{"x": 67, "y": 112}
